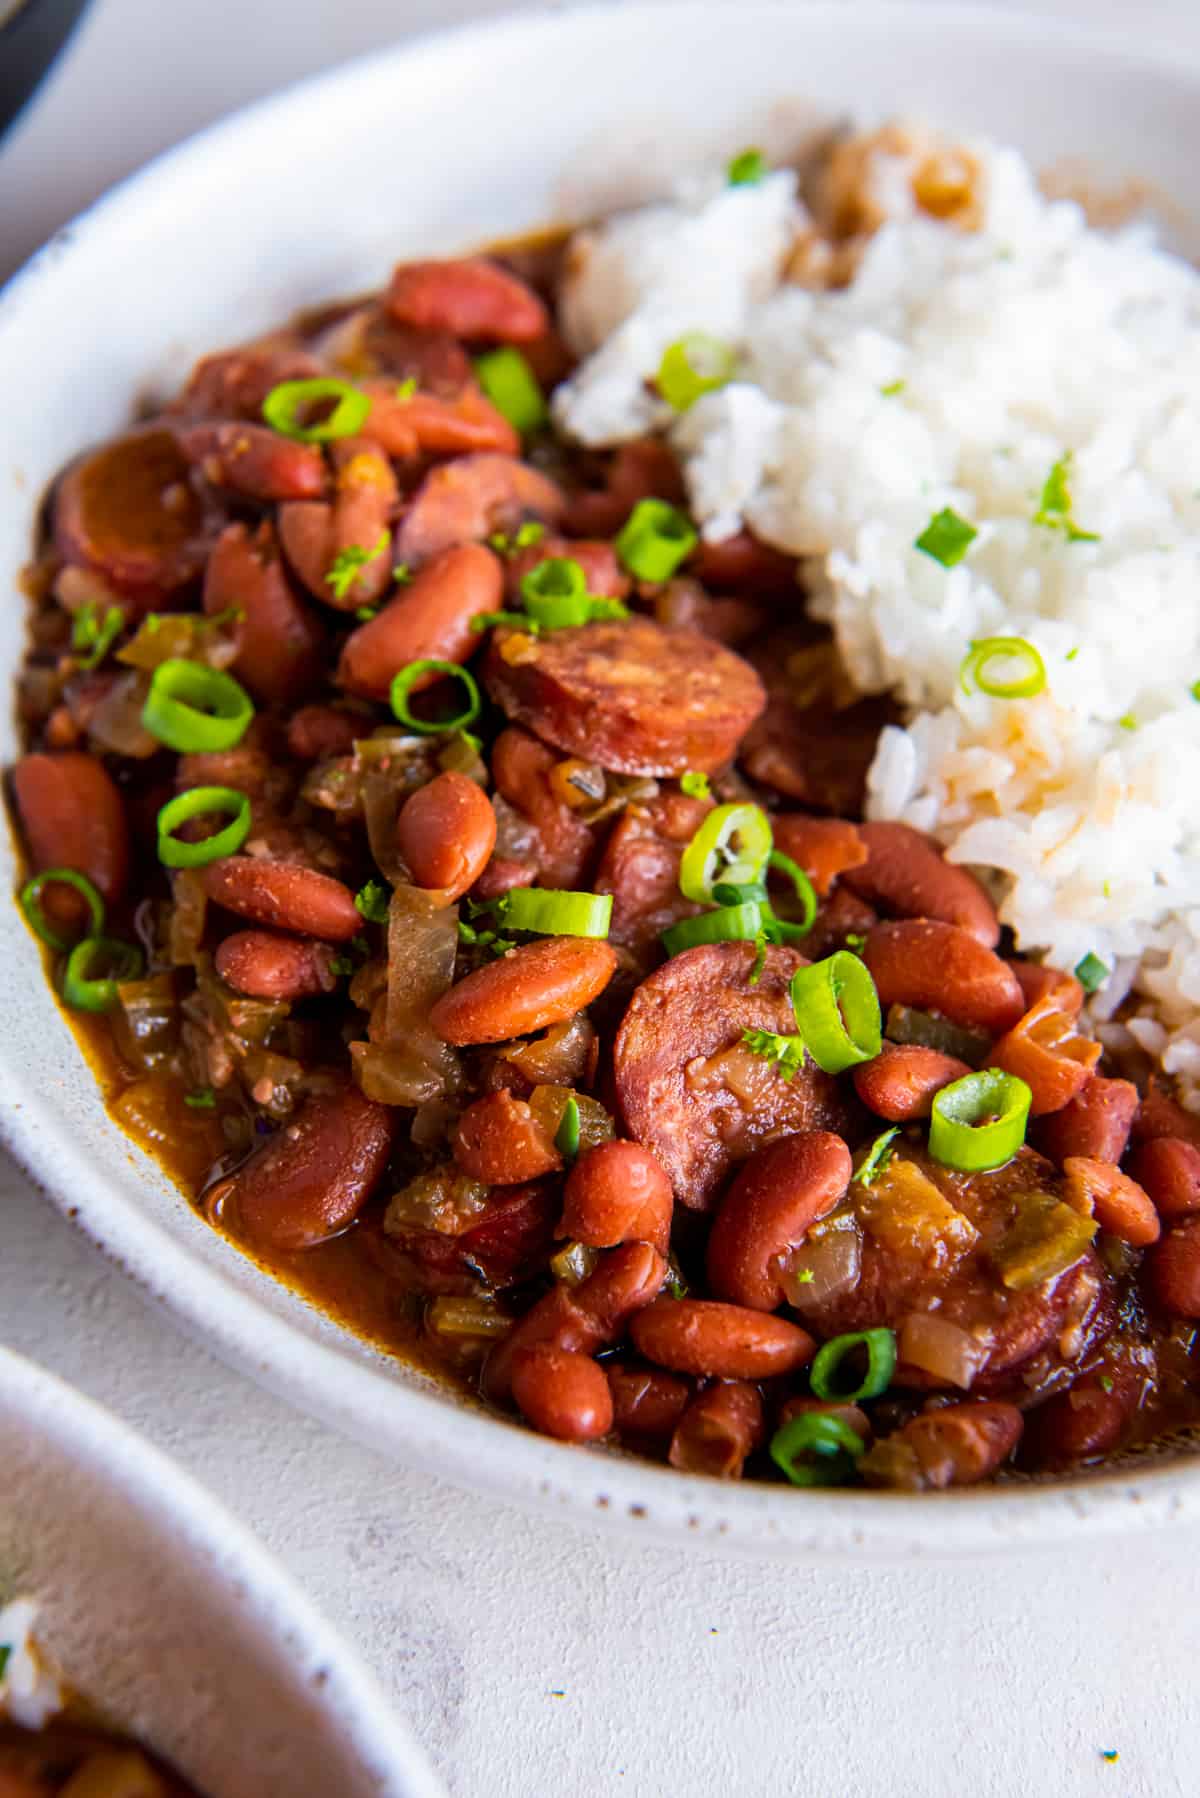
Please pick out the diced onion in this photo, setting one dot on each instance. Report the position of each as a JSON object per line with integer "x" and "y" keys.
{"x": 942, "y": 1349}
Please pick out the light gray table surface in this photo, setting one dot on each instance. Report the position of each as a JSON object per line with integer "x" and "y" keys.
{"x": 532, "y": 1659}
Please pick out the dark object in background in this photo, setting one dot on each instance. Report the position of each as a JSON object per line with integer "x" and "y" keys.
{"x": 31, "y": 36}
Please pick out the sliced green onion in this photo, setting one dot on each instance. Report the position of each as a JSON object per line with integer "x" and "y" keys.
{"x": 198, "y": 802}
{"x": 979, "y": 1122}
{"x": 97, "y": 638}
{"x": 892, "y": 389}
{"x": 195, "y": 709}
{"x": 728, "y": 892}
{"x": 30, "y": 901}
{"x": 201, "y": 1098}
{"x": 550, "y": 913}
{"x": 787, "y": 1052}
{"x": 837, "y": 1012}
{"x": 373, "y": 901}
{"x": 1091, "y": 973}
{"x": 881, "y": 1364}
{"x": 1054, "y": 507}
{"x": 513, "y": 389}
{"x": 747, "y": 168}
{"x": 289, "y": 403}
{"x": 1025, "y": 683}
{"x": 728, "y": 924}
{"x": 654, "y": 540}
{"x": 693, "y": 365}
{"x": 555, "y": 593}
{"x": 566, "y": 1137}
{"x": 694, "y": 785}
{"x": 84, "y": 991}
{"x": 816, "y": 1449}
{"x": 402, "y": 686}
{"x": 517, "y": 621}
{"x": 946, "y": 538}
{"x": 733, "y": 844}
{"x": 805, "y": 892}
{"x": 877, "y": 1157}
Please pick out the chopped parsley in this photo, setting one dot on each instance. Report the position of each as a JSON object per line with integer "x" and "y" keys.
{"x": 1091, "y": 973}
{"x": 1054, "y": 507}
{"x": 787, "y": 1052}
{"x": 805, "y": 1277}
{"x": 94, "y": 634}
{"x": 877, "y": 1157}
{"x": 760, "y": 959}
{"x": 946, "y": 538}
{"x": 373, "y": 902}
{"x": 344, "y": 570}
{"x": 696, "y": 785}
{"x": 402, "y": 574}
{"x": 677, "y": 1289}
{"x": 203, "y": 1098}
{"x": 364, "y": 614}
{"x": 1106, "y": 1382}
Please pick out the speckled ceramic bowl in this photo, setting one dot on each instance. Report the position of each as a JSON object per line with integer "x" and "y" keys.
{"x": 165, "y": 1613}
{"x": 430, "y": 149}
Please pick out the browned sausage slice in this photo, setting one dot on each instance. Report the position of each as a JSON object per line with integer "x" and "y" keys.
{"x": 691, "y": 1090}
{"x": 628, "y": 694}
{"x": 128, "y": 512}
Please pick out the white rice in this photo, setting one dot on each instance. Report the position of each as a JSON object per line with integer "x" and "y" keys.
{"x": 30, "y": 1692}
{"x": 1030, "y": 339}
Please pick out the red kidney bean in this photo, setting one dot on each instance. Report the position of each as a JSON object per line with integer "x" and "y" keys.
{"x": 720, "y": 1427}
{"x": 645, "y": 469}
{"x": 1169, "y": 1169}
{"x": 255, "y": 462}
{"x": 683, "y": 605}
{"x": 958, "y": 1445}
{"x": 597, "y": 559}
{"x": 1046, "y": 1051}
{"x": 824, "y": 847}
{"x": 280, "y": 640}
{"x": 1095, "y": 1123}
{"x": 1091, "y": 1417}
{"x": 234, "y": 383}
{"x": 317, "y": 731}
{"x": 436, "y": 425}
{"x": 728, "y": 1342}
{"x": 618, "y": 1192}
{"x": 466, "y": 500}
{"x": 562, "y": 1393}
{"x": 500, "y": 876}
{"x": 904, "y": 1079}
{"x": 584, "y": 1317}
{"x": 906, "y": 873}
{"x": 314, "y": 533}
{"x": 1172, "y": 1270}
{"x": 560, "y": 845}
{"x": 266, "y": 966}
{"x": 782, "y": 1190}
{"x": 1038, "y": 983}
{"x": 431, "y": 618}
{"x": 941, "y": 967}
{"x": 72, "y": 816}
{"x": 446, "y": 832}
{"x": 1118, "y": 1203}
{"x": 366, "y": 343}
{"x": 539, "y": 984}
{"x": 742, "y": 564}
{"x": 851, "y": 1415}
{"x": 472, "y": 297}
{"x": 127, "y": 512}
{"x": 499, "y": 1141}
{"x": 1160, "y": 1115}
{"x": 647, "y": 1402}
{"x": 283, "y": 895}
{"x": 315, "y": 1174}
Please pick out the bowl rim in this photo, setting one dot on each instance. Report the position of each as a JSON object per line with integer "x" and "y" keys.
{"x": 262, "y": 1596}
{"x": 474, "y": 1448}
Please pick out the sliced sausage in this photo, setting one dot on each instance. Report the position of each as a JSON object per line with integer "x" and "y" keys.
{"x": 907, "y": 874}
{"x": 267, "y": 966}
{"x": 539, "y": 984}
{"x": 280, "y": 639}
{"x": 628, "y": 694}
{"x": 941, "y": 967}
{"x": 128, "y": 512}
{"x": 687, "y": 1085}
{"x": 466, "y": 500}
{"x": 429, "y": 619}
{"x": 472, "y": 297}
{"x": 284, "y": 896}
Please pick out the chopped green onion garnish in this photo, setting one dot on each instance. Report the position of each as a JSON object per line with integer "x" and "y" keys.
{"x": 84, "y": 991}
{"x": 787, "y": 1052}
{"x": 760, "y": 959}
{"x": 881, "y": 1364}
{"x": 5, "y": 1655}
{"x": 877, "y": 1157}
{"x": 1072, "y": 653}
{"x": 805, "y": 892}
{"x": 513, "y": 388}
{"x": 733, "y": 844}
{"x": 202, "y": 1098}
{"x": 1106, "y": 1382}
{"x": 566, "y": 1137}
{"x": 816, "y": 1449}
{"x": 364, "y": 614}
{"x": 979, "y": 1122}
{"x": 406, "y": 388}
{"x": 1054, "y": 507}
{"x": 402, "y": 574}
{"x": 96, "y": 636}
{"x": 837, "y": 1012}
{"x": 728, "y": 924}
{"x": 30, "y": 901}
{"x": 1127, "y": 721}
{"x": 654, "y": 540}
{"x": 550, "y": 913}
{"x": 402, "y": 686}
{"x": 747, "y": 168}
{"x": 946, "y": 538}
{"x": 556, "y": 587}
{"x": 288, "y": 404}
{"x": 198, "y": 802}
{"x": 1091, "y": 973}
{"x": 344, "y": 569}
{"x": 516, "y": 621}
{"x": 695, "y": 785}
{"x": 195, "y": 709}
{"x": 855, "y": 941}
{"x": 892, "y": 389}
{"x": 373, "y": 902}
{"x": 1025, "y": 682}
{"x": 694, "y": 365}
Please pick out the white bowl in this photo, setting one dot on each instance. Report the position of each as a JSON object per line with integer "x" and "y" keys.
{"x": 159, "y": 1607}
{"x": 481, "y": 134}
